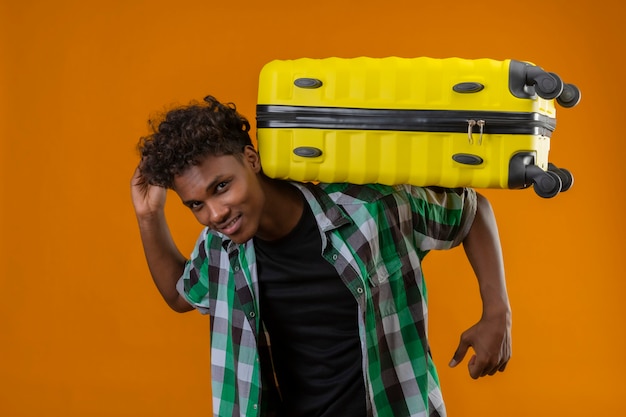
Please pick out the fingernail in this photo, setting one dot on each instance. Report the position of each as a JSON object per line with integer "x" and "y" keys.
{"x": 452, "y": 363}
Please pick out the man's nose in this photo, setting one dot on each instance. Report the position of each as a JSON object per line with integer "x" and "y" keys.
{"x": 216, "y": 213}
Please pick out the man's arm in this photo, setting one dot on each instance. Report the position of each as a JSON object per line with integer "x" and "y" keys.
{"x": 165, "y": 261}
{"x": 491, "y": 336}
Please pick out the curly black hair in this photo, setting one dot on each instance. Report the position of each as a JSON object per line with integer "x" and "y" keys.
{"x": 183, "y": 136}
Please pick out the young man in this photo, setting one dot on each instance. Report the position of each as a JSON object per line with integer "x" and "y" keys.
{"x": 315, "y": 292}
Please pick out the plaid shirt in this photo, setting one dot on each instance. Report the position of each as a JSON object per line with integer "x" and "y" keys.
{"x": 376, "y": 237}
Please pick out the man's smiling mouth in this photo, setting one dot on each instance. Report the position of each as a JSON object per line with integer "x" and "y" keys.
{"x": 230, "y": 227}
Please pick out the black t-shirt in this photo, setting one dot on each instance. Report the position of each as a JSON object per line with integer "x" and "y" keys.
{"x": 311, "y": 318}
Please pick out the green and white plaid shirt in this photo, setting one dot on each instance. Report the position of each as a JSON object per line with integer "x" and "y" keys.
{"x": 376, "y": 237}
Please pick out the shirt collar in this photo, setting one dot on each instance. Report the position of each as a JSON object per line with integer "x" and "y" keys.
{"x": 329, "y": 216}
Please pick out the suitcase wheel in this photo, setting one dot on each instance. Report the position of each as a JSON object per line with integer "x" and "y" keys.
{"x": 567, "y": 179}
{"x": 547, "y": 85}
{"x": 548, "y": 185}
{"x": 570, "y": 96}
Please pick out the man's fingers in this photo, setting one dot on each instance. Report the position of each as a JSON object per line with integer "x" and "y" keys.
{"x": 460, "y": 353}
{"x": 479, "y": 368}
{"x": 476, "y": 368}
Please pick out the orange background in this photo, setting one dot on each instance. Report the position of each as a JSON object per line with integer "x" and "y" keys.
{"x": 83, "y": 331}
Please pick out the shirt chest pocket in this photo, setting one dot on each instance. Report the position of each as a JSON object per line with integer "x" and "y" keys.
{"x": 386, "y": 287}
{"x": 380, "y": 272}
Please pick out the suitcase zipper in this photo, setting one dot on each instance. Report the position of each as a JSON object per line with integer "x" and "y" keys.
{"x": 470, "y": 130}
{"x": 449, "y": 121}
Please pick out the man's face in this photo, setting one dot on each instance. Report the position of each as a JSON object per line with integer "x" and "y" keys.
{"x": 224, "y": 193}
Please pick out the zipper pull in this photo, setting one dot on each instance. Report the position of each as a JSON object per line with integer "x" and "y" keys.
{"x": 470, "y": 127}
{"x": 470, "y": 130}
{"x": 481, "y": 124}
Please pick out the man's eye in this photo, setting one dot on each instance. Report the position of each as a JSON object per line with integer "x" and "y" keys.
{"x": 195, "y": 205}
{"x": 221, "y": 185}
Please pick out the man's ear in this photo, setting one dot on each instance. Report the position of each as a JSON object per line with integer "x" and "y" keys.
{"x": 251, "y": 156}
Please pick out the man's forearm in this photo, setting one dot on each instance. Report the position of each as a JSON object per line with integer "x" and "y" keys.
{"x": 165, "y": 261}
{"x": 482, "y": 246}
{"x": 491, "y": 336}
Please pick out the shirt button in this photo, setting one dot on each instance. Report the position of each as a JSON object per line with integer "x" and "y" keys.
{"x": 335, "y": 257}
{"x": 359, "y": 290}
{"x": 252, "y": 314}
{"x": 255, "y": 406}
{"x": 236, "y": 269}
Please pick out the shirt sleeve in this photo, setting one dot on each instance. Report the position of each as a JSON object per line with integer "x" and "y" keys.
{"x": 442, "y": 217}
{"x": 193, "y": 285}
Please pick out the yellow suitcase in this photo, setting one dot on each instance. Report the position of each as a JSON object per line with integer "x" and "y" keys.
{"x": 424, "y": 121}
